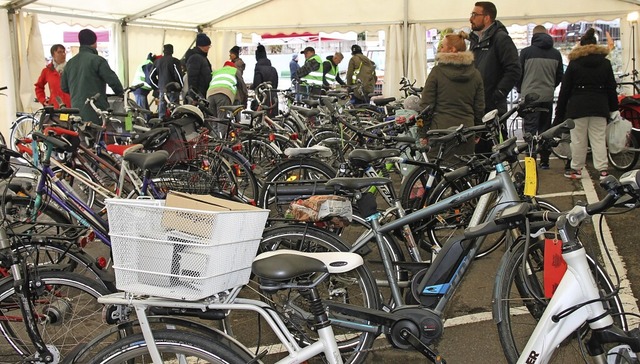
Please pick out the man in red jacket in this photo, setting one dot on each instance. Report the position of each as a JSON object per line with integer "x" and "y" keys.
{"x": 51, "y": 75}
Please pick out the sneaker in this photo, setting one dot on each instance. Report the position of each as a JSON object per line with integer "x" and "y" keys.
{"x": 573, "y": 174}
{"x": 544, "y": 165}
{"x": 603, "y": 175}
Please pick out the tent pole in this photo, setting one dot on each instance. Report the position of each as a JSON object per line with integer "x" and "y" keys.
{"x": 405, "y": 39}
{"x": 125, "y": 52}
{"x": 15, "y": 59}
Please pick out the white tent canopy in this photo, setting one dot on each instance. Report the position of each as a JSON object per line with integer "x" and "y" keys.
{"x": 142, "y": 26}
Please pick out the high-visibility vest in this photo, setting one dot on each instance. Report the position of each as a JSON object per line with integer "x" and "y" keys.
{"x": 140, "y": 77}
{"x": 333, "y": 72}
{"x": 314, "y": 77}
{"x": 225, "y": 77}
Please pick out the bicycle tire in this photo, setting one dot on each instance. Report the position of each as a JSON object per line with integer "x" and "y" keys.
{"x": 355, "y": 287}
{"x": 563, "y": 149}
{"x": 21, "y": 128}
{"x": 626, "y": 159}
{"x": 515, "y": 323}
{"x": 67, "y": 308}
{"x": 183, "y": 346}
{"x": 248, "y": 182}
{"x": 414, "y": 191}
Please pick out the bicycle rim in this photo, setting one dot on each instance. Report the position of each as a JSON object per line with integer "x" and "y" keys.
{"x": 627, "y": 158}
{"x": 67, "y": 312}
{"x": 519, "y": 310}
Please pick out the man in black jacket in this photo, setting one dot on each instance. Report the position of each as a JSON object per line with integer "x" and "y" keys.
{"x": 542, "y": 71}
{"x": 496, "y": 57}
{"x": 198, "y": 66}
{"x": 166, "y": 69}
{"x": 330, "y": 71}
{"x": 265, "y": 72}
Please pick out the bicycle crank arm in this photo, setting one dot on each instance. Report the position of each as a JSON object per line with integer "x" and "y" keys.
{"x": 429, "y": 353}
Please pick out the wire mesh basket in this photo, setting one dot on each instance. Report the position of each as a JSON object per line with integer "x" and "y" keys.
{"x": 200, "y": 181}
{"x": 180, "y": 253}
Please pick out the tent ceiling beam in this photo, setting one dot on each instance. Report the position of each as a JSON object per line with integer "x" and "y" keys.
{"x": 17, "y": 4}
{"x": 635, "y": 2}
{"x": 305, "y": 26}
{"x": 232, "y": 14}
{"x": 151, "y": 10}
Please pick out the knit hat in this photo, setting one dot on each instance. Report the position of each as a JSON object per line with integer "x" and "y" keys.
{"x": 202, "y": 40}
{"x": 167, "y": 49}
{"x": 235, "y": 50}
{"x": 589, "y": 37}
{"x": 261, "y": 52}
{"x": 87, "y": 37}
{"x": 229, "y": 64}
{"x": 295, "y": 57}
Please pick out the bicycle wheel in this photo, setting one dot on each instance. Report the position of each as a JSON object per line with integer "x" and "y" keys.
{"x": 356, "y": 287}
{"x": 66, "y": 307}
{"x": 563, "y": 149}
{"x": 627, "y": 158}
{"x": 293, "y": 170}
{"x": 416, "y": 187}
{"x": 517, "y": 311}
{"x": 21, "y": 128}
{"x": 248, "y": 183}
{"x": 261, "y": 154}
{"x": 21, "y": 209}
{"x": 174, "y": 347}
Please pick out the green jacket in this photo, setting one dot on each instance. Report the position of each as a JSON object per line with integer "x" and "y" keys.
{"x": 85, "y": 75}
{"x": 455, "y": 90}
{"x": 362, "y": 68}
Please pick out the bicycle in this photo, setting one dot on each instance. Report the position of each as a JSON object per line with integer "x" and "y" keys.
{"x": 582, "y": 306}
{"x": 41, "y": 304}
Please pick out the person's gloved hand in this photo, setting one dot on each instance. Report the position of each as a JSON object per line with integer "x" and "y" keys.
{"x": 614, "y": 115}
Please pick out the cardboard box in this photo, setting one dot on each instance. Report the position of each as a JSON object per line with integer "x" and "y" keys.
{"x": 215, "y": 219}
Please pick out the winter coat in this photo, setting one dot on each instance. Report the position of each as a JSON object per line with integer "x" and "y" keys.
{"x": 367, "y": 73}
{"x": 264, "y": 72}
{"x": 166, "y": 69}
{"x": 50, "y": 76}
{"x": 85, "y": 75}
{"x": 455, "y": 90}
{"x": 496, "y": 57}
{"x": 240, "y": 64}
{"x": 241, "y": 94}
{"x": 542, "y": 68}
{"x": 198, "y": 70}
{"x": 329, "y": 67}
{"x": 294, "y": 66}
{"x": 588, "y": 86}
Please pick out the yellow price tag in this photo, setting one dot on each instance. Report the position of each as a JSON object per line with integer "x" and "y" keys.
{"x": 64, "y": 117}
{"x": 531, "y": 177}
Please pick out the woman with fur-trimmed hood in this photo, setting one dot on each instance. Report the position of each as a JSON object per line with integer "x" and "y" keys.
{"x": 454, "y": 89}
{"x": 587, "y": 95}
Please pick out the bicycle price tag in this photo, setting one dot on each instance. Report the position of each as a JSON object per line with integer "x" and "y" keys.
{"x": 531, "y": 177}
{"x": 554, "y": 264}
{"x": 64, "y": 117}
{"x": 128, "y": 122}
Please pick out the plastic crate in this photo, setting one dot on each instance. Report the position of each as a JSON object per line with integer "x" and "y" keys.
{"x": 154, "y": 253}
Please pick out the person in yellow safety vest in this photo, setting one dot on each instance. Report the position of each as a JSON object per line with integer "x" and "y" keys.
{"x": 142, "y": 76}
{"x": 226, "y": 86}
{"x": 330, "y": 71}
{"x": 310, "y": 74}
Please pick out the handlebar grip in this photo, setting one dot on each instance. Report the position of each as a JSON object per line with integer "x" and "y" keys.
{"x": 67, "y": 110}
{"x": 119, "y": 114}
{"x": 558, "y": 129}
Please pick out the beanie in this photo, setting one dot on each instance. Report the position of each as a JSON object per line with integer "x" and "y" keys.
{"x": 229, "y": 64}
{"x": 261, "y": 52}
{"x": 202, "y": 40}
{"x": 87, "y": 37}
{"x": 295, "y": 57}
{"x": 235, "y": 50}
{"x": 167, "y": 49}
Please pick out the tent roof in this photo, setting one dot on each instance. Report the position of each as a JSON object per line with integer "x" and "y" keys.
{"x": 264, "y": 16}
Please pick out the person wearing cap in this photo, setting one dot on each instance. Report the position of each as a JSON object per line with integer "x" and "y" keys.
{"x": 51, "y": 75}
{"x": 198, "y": 65}
{"x": 166, "y": 69}
{"x": 330, "y": 71}
{"x": 142, "y": 77}
{"x": 310, "y": 74}
{"x": 226, "y": 86}
{"x": 265, "y": 72}
{"x": 361, "y": 70}
{"x": 234, "y": 56}
{"x": 87, "y": 74}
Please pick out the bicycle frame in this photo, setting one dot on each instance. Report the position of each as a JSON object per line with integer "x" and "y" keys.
{"x": 326, "y": 342}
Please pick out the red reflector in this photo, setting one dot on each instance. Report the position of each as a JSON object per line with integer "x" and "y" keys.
{"x": 237, "y": 147}
{"x": 101, "y": 262}
{"x": 293, "y": 136}
{"x": 272, "y": 137}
